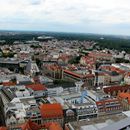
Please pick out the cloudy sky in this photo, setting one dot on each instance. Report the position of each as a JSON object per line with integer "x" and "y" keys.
{"x": 90, "y": 16}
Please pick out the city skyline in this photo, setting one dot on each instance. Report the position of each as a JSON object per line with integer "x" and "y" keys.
{"x": 102, "y": 17}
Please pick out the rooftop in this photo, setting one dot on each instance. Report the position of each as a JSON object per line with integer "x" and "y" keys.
{"x": 3, "y": 128}
{"x": 98, "y": 123}
{"x": 122, "y": 124}
{"x": 75, "y": 100}
{"x": 73, "y": 73}
{"x": 15, "y": 91}
{"x": 51, "y": 110}
{"x": 36, "y": 87}
{"x": 10, "y": 60}
{"x": 22, "y": 79}
{"x": 125, "y": 96}
{"x": 55, "y": 126}
{"x": 34, "y": 126}
{"x": 9, "y": 83}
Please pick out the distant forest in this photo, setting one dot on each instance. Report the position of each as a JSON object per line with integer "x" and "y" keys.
{"x": 104, "y": 41}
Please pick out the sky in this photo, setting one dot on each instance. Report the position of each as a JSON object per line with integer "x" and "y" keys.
{"x": 86, "y": 16}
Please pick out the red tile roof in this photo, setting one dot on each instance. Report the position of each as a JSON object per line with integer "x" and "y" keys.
{"x": 99, "y": 54}
{"x": 102, "y": 74}
{"x": 64, "y": 57}
{"x": 8, "y": 83}
{"x": 118, "y": 70}
{"x": 124, "y": 96}
{"x": 25, "y": 126}
{"x": 29, "y": 125}
{"x": 54, "y": 67}
{"x": 90, "y": 76}
{"x": 3, "y": 128}
{"x": 127, "y": 74}
{"x": 51, "y": 126}
{"x": 66, "y": 127}
{"x": 72, "y": 73}
{"x": 106, "y": 67}
{"x": 89, "y": 60}
{"x": 116, "y": 88}
{"x": 55, "y": 126}
{"x": 112, "y": 68}
{"x": 51, "y": 110}
{"x": 106, "y": 101}
{"x": 36, "y": 87}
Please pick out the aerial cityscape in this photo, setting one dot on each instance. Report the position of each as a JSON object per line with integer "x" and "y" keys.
{"x": 64, "y": 65}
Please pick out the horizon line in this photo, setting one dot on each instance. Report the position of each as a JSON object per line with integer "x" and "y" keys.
{"x": 106, "y": 34}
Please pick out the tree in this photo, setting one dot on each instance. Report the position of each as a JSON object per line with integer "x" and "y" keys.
{"x": 121, "y": 60}
{"x": 75, "y": 60}
{"x": 38, "y": 62}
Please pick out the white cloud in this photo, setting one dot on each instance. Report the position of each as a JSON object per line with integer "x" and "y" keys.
{"x": 66, "y": 11}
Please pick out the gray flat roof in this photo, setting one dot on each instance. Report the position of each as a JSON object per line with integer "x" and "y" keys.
{"x": 118, "y": 125}
{"x": 99, "y": 122}
{"x": 10, "y": 61}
